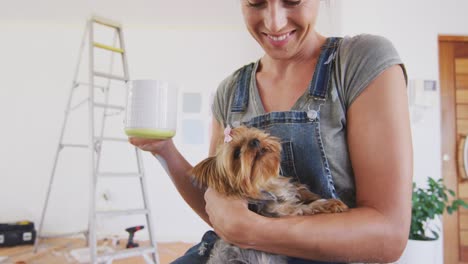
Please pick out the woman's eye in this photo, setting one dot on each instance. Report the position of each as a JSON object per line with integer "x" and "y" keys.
{"x": 256, "y": 4}
{"x": 292, "y": 3}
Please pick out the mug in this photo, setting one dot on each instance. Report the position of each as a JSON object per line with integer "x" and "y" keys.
{"x": 151, "y": 110}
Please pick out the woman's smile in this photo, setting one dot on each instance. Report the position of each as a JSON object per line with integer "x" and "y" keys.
{"x": 280, "y": 40}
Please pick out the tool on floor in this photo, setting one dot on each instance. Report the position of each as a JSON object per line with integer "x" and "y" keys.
{"x": 17, "y": 233}
{"x": 97, "y": 140}
{"x": 131, "y": 233}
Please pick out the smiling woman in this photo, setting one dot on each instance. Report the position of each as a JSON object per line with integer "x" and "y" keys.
{"x": 330, "y": 101}
{"x": 282, "y": 28}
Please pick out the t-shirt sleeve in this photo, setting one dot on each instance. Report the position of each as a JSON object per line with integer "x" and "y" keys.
{"x": 360, "y": 60}
{"x": 219, "y": 108}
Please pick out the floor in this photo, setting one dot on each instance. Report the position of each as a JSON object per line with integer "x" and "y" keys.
{"x": 59, "y": 250}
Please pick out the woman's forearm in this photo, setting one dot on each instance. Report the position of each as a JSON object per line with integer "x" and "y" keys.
{"x": 359, "y": 235}
{"x": 178, "y": 169}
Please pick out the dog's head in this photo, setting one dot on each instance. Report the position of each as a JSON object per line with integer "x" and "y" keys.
{"x": 243, "y": 165}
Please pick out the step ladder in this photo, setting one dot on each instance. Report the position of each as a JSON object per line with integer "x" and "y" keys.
{"x": 150, "y": 253}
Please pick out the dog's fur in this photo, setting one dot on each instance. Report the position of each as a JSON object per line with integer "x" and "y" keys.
{"x": 248, "y": 167}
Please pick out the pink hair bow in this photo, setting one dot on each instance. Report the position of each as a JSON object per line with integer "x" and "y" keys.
{"x": 227, "y": 134}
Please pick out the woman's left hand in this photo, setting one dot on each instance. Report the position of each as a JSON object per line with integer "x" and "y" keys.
{"x": 230, "y": 218}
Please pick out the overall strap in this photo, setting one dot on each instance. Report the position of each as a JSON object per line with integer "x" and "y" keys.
{"x": 320, "y": 82}
{"x": 241, "y": 96}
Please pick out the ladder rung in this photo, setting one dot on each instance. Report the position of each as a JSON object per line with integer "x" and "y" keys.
{"x": 117, "y": 107}
{"x": 106, "y": 47}
{"x": 75, "y": 145}
{"x": 106, "y": 22}
{"x": 122, "y": 212}
{"x": 119, "y": 174}
{"x": 62, "y": 235}
{"x": 112, "y": 139}
{"x": 87, "y": 84}
{"x": 126, "y": 253}
{"x": 109, "y": 76}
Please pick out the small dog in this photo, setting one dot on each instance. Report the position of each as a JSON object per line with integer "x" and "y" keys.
{"x": 247, "y": 165}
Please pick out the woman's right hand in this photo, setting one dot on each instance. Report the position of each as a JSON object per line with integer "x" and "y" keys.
{"x": 155, "y": 146}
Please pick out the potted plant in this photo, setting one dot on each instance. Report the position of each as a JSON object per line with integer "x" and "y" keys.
{"x": 428, "y": 204}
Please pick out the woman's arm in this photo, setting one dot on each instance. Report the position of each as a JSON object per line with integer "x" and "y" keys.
{"x": 380, "y": 147}
{"x": 178, "y": 168}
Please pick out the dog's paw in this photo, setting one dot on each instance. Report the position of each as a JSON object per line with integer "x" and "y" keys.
{"x": 326, "y": 206}
{"x": 335, "y": 206}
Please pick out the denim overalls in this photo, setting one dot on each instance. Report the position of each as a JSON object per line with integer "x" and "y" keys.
{"x": 303, "y": 155}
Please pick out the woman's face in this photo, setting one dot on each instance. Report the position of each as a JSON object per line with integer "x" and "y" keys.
{"x": 281, "y": 27}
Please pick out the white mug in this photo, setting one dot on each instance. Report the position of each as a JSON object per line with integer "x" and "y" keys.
{"x": 151, "y": 110}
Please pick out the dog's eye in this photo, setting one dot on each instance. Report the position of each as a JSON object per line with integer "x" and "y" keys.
{"x": 237, "y": 153}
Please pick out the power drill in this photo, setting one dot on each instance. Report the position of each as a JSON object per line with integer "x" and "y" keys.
{"x": 131, "y": 233}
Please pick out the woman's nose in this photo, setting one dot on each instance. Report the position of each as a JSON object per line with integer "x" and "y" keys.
{"x": 275, "y": 17}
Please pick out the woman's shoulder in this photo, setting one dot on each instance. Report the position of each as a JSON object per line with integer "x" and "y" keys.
{"x": 366, "y": 46}
{"x": 364, "y": 41}
{"x": 360, "y": 59}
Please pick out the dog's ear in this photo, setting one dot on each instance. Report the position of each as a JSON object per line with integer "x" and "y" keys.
{"x": 204, "y": 173}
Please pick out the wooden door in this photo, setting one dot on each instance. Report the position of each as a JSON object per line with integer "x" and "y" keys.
{"x": 453, "y": 63}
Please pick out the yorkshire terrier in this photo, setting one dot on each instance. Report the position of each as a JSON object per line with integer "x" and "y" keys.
{"x": 247, "y": 165}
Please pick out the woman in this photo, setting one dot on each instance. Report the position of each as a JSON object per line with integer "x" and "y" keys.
{"x": 344, "y": 119}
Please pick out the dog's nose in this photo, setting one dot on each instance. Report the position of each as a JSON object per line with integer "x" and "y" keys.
{"x": 254, "y": 143}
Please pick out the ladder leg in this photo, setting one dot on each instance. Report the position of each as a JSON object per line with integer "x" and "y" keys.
{"x": 59, "y": 148}
{"x": 46, "y": 203}
{"x": 104, "y": 113}
{"x": 124, "y": 58}
{"x": 148, "y": 260}
{"x": 99, "y": 147}
{"x": 149, "y": 217}
{"x": 92, "y": 169}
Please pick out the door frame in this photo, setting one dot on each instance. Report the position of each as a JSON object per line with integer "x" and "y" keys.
{"x": 447, "y": 54}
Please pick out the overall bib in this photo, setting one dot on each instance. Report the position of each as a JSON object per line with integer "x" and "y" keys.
{"x": 303, "y": 156}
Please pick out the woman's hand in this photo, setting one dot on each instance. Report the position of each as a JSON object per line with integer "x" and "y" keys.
{"x": 230, "y": 218}
{"x": 155, "y": 146}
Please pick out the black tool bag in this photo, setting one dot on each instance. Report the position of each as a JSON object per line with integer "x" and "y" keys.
{"x": 19, "y": 233}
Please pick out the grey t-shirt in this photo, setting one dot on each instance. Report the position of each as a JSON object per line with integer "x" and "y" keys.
{"x": 359, "y": 60}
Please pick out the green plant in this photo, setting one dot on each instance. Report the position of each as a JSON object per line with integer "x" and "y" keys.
{"x": 428, "y": 203}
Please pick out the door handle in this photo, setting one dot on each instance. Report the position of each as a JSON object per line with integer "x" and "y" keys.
{"x": 463, "y": 158}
